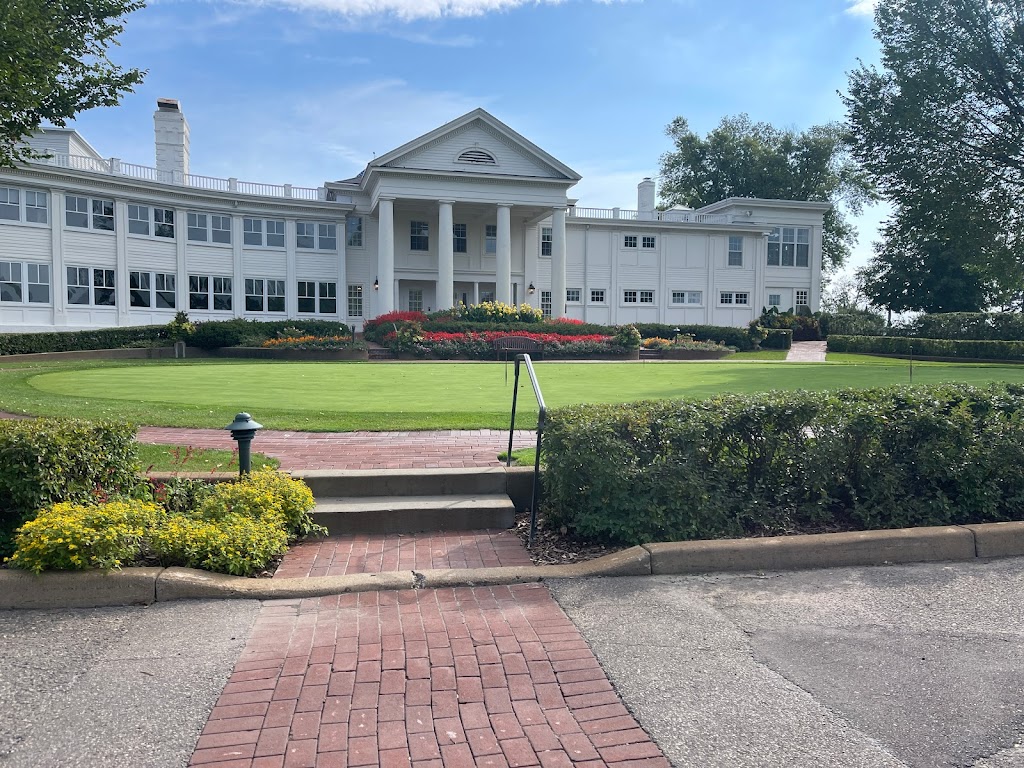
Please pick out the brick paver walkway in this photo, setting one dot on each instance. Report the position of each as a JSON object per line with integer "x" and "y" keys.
{"x": 806, "y": 352}
{"x": 371, "y": 553}
{"x": 486, "y": 676}
{"x": 359, "y": 450}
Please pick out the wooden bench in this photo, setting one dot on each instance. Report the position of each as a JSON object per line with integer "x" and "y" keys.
{"x": 517, "y": 345}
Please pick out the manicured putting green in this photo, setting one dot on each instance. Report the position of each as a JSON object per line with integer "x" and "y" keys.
{"x": 436, "y": 395}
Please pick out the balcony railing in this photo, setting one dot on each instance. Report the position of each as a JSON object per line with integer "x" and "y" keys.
{"x": 624, "y": 214}
{"x": 115, "y": 167}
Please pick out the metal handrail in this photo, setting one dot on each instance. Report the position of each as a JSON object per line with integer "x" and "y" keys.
{"x": 541, "y": 415}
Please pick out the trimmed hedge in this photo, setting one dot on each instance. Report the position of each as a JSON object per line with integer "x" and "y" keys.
{"x": 47, "y": 461}
{"x": 947, "y": 348}
{"x": 785, "y": 462}
{"x": 967, "y": 326}
{"x": 72, "y": 341}
{"x": 859, "y": 323}
{"x": 741, "y": 338}
{"x": 252, "y": 333}
{"x": 778, "y": 338}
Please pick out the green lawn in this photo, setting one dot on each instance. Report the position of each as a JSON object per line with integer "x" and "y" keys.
{"x": 381, "y": 396}
{"x": 183, "y": 458}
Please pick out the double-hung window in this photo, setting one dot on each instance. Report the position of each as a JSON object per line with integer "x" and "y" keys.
{"x": 354, "y": 234}
{"x": 34, "y": 202}
{"x": 138, "y": 219}
{"x": 10, "y": 204}
{"x": 11, "y": 288}
{"x": 460, "y": 240}
{"x": 316, "y": 235}
{"x": 209, "y": 228}
{"x": 268, "y": 233}
{"x": 545, "y": 303}
{"x": 355, "y": 301}
{"x": 491, "y": 239}
{"x": 573, "y": 295}
{"x": 91, "y": 286}
{"x": 24, "y": 281}
{"x": 305, "y": 234}
{"x": 263, "y": 295}
{"x": 734, "y": 297}
{"x": 163, "y": 222}
{"x": 89, "y": 213}
{"x": 546, "y": 238}
{"x": 311, "y": 292}
{"x": 735, "y": 251}
{"x": 209, "y": 292}
{"x": 687, "y": 297}
{"x": 789, "y": 247}
{"x": 152, "y": 289}
{"x": 419, "y": 236}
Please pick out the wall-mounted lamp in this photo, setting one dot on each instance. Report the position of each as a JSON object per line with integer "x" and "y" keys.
{"x": 376, "y": 284}
{"x": 531, "y": 290}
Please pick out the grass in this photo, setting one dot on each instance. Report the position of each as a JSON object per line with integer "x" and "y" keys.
{"x": 428, "y": 395}
{"x": 184, "y": 458}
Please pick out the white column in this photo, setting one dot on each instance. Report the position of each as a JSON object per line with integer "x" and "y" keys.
{"x": 237, "y": 267}
{"x": 476, "y": 293}
{"x": 445, "y": 256}
{"x": 386, "y": 255}
{"x": 291, "y": 287}
{"x": 58, "y": 275}
{"x": 558, "y": 263}
{"x": 503, "y": 258}
{"x": 342, "y": 290}
{"x": 121, "y": 293}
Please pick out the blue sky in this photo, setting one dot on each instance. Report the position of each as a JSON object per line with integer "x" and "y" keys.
{"x": 301, "y": 91}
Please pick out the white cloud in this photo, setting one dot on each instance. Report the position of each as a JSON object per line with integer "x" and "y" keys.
{"x": 861, "y": 7}
{"x": 406, "y": 10}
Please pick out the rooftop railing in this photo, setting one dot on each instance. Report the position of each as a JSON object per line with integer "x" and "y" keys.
{"x": 116, "y": 167}
{"x": 624, "y": 214}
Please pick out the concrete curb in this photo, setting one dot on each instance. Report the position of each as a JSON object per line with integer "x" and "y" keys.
{"x": 19, "y": 589}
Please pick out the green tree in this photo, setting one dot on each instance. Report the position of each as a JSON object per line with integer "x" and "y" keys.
{"x": 939, "y": 126}
{"x": 741, "y": 158}
{"x": 53, "y": 65}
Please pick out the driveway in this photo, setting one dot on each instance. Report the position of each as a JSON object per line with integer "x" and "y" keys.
{"x": 919, "y": 665}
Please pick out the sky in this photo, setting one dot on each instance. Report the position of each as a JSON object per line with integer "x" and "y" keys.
{"x": 303, "y": 91}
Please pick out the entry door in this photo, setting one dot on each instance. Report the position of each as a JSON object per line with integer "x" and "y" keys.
{"x": 415, "y": 299}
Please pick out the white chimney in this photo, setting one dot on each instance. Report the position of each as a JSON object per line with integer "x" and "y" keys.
{"x": 645, "y": 199}
{"x": 172, "y": 141}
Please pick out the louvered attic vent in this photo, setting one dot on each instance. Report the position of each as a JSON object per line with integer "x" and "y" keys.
{"x": 478, "y": 156}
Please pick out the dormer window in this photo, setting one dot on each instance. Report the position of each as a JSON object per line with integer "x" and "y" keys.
{"x": 477, "y": 156}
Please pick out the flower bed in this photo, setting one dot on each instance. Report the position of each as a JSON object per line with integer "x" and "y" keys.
{"x": 479, "y": 346}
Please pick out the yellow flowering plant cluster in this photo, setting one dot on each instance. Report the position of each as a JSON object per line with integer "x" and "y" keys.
{"x": 498, "y": 312}
{"x": 73, "y": 537}
{"x": 234, "y": 544}
{"x": 236, "y": 528}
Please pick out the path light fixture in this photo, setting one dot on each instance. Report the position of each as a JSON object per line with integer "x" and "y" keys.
{"x": 376, "y": 284}
{"x": 243, "y": 429}
{"x": 531, "y": 290}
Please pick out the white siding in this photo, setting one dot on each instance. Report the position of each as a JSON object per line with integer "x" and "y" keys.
{"x": 89, "y": 249}
{"x": 25, "y": 243}
{"x": 264, "y": 264}
{"x": 210, "y": 260}
{"x": 441, "y": 156}
{"x": 159, "y": 255}
{"x": 309, "y": 266}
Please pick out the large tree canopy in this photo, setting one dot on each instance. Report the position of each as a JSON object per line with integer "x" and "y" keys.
{"x": 53, "y": 64}
{"x": 940, "y": 128}
{"x": 741, "y": 158}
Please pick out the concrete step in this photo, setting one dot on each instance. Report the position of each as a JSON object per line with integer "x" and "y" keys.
{"x": 333, "y": 483}
{"x": 413, "y": 514}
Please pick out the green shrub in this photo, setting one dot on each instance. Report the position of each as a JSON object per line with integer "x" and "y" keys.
{"x": 743, "y": 339}
{"x": 786, "y": 462}
{"x": 234, "y": 543}
{"x": 257, "y": 494}
{"x": 46, "y": 461}
{"x": 861, "y": 322}
{"x": 966, "y": 326}
{"x": 803, "y": 324}
{"x": 902, "y": 346}
{"x": 778, "y": 338}
{"x": 252, "y": 333}
{"x": 75, "y": 537}
{"x": 71, "y": 341}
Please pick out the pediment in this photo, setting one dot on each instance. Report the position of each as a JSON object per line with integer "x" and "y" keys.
{"x": 476, "y": 144}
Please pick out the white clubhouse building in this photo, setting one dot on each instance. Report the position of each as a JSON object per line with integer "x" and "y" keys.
{"x": 469, "y": 212}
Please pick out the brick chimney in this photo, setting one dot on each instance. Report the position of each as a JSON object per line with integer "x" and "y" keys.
{"x": 172, "y": 140}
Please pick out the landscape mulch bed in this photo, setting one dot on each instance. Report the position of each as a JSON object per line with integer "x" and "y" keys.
{"x": 554, "y": 545}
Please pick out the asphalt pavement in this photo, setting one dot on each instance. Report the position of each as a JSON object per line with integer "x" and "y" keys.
{"x": 114, "y": 687}
{"x": 915, "y": 665}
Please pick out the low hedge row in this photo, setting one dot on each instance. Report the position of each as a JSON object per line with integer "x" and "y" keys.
{"x": 252, "y": 333}
{"x": 46, "y": 461}
{"x": 967, "y": 326}
{"x": 777, "y": 338}
{"x": 71, "y": 341}
{"x": 904, "y": 346}
{"x": 741, "y": 338}
{"x": 786, "y": 462}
